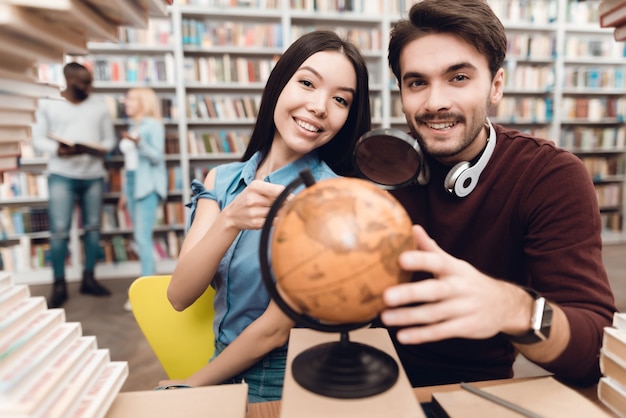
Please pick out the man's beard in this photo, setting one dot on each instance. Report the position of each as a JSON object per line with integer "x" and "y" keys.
{"x": 79, "y": 93}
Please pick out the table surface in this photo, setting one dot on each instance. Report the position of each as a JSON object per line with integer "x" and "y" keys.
{"x": 422, "y": 394}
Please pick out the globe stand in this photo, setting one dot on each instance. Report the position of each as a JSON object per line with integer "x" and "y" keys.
{"x": 342, "y": 369}
{"x": 345, "y": 369}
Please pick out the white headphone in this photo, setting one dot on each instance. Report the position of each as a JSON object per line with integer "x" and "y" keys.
{"x": 462, "y": 179}
{"x": 392, "y": 159}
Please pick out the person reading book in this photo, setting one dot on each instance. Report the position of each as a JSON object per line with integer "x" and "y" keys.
{"x": 509, "y": 250}
{"x": 75, "y": 172}
{"x": 314, "y": 108}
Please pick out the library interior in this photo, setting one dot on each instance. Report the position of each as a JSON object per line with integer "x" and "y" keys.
{"x": 208, "y": 62}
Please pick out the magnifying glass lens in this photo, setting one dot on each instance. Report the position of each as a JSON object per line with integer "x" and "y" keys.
{"x": 387, "y": 158}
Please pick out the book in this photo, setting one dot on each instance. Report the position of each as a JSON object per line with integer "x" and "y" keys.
{"x": 16, "y": 82}
{"x": 73, "y": 388}
{"x": 65, "y": 363}
{"x": 20, "y": 312}
{"x": 613, "y": 395}
{"x": 18, "y": 102}
{"x": 10, "y": 149}
{"x": 89, "y": 146}
{"x": 619, "y": 321}
{"x": 17, "y": 341}
{"x": 613, "y": 366}
{"x": 75, "y": 13}
{"x": 11, "y": 295}
{"x": 17, "y": 117}
{"x": 15, "y": 377}
{"x": 231, "y": 399}
{"x": 101, "y": 393}
{"x": 9, "y": 162}
{"x": 612, "y": 13}
{"x": 28, "y": 23}
{"x": 14, "y": 133}
{"x": 614, "y": 342}
{"x": 619, "y": 33}
{"x": 544, "y": 396}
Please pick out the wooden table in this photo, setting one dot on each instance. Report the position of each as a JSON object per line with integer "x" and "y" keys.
{"x": 422, "y": 394}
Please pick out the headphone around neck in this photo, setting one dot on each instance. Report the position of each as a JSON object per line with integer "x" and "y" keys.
{"x": 393, "y": 159}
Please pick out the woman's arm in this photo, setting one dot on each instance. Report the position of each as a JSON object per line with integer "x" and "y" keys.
{"x": 211, "y": 234}
{"x": 269, "y": 331}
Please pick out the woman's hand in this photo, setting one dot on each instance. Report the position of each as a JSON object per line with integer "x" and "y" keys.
{"x": 249, "y": 210}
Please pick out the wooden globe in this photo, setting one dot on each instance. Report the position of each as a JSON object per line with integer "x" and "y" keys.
{"x": 335, "y": 249}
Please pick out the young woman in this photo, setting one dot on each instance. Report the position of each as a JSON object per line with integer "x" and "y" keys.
{"x": 145, "y": 186}
{"x": 314, "y": 108}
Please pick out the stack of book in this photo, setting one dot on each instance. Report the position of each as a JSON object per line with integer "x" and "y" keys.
{"x": 612, "y": 386}
{"x": 36, "y": 31}
{"x": 48, "y": 368}
{"x": 613, "y": 15}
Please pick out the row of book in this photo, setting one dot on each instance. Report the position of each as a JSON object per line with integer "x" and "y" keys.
{"x": 593, "y": 109}
{"x": 609, "y": 195}
{"x": 131, "y": 68}
{"x": 209, "y": 33}
{"x": 530, "y": 11}
{"x": 367, "y": 39}
{"x": 601, "y": 168}
{"x": 531, "y": 45}
{"x": 222, "y": 107}
{"x": 120, "y": 248}
{"x": 15, "y": 184}
{"x": 525, "y": 76}
{"x": 117, "y": 107}
{"x": 217, "y": 142}
{"x": 523, "y": 109}
{"x": 115, "y": 218}
{"x": 260, "y": 4}
{"x": 612, "y": 221}
{"x": 49, "y": 368}
{"x": 225, "y": 68}
{"x": 581, "y": 138}
{"x": 612, "y": 14}
{"x": 590, "y": 77}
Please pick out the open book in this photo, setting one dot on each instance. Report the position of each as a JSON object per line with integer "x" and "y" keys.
{"x": 90, "y": 147}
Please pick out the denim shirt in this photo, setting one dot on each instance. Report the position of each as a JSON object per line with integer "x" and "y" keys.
{"x": 240, "y": 296}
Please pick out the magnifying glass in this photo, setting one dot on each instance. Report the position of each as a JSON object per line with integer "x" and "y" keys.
{"x": 390, "y": 158}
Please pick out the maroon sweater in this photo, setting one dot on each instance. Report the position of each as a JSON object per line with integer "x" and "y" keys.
{"x": 533, "y": 220}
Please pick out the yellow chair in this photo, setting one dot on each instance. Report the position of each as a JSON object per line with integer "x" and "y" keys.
{"x": 182, "y": 341}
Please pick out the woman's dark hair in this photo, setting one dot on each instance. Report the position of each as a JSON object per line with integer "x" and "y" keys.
{"x": 470, "y": 20}
{"x": 337, "y": 153}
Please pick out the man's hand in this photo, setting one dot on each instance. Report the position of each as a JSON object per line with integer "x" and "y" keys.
{"x": 459, "y": 301}
{"x": 68, "y": 150}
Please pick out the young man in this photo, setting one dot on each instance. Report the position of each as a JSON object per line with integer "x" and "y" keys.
{"x": 74, "y": 173}
{"x": 516, "y": 236}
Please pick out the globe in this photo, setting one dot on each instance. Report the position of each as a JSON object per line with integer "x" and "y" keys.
{"x": 335, "y": 247}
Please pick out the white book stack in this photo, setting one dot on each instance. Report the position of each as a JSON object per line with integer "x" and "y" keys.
{"x": 48, "y": 368}
{"x": 612, "y": 385}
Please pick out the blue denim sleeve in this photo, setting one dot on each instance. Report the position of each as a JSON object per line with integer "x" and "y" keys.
{"x": 198, "y": 191}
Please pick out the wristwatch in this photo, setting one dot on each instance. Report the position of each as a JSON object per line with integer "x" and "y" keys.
{"x": 540, "y": 321}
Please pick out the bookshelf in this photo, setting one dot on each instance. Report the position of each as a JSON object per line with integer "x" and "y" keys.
{"x": 565, "y": 81}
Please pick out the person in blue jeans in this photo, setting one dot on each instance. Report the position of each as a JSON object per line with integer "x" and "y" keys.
{"x": 314, "y": 108}
{"x": 145, "y": 185}
{"x": 75, "y": 174}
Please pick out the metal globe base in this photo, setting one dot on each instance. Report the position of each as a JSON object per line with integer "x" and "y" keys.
{"x": 345, "y": 369}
